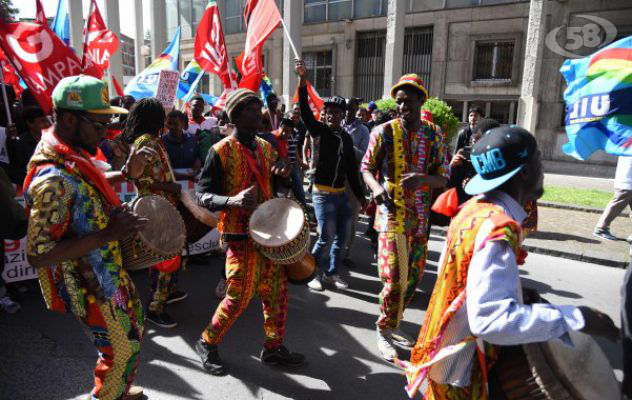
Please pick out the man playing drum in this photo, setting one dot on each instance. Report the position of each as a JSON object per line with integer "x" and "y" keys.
{"x": 408, "y": 154}
{"x": 145, "y": 123}
{"x": 477, "y": 303}
{"x": 238, "y": 176}
{"x": 75, "y": 225}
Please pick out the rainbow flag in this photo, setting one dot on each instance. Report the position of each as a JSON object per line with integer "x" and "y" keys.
{"x": 189, "y": 80}
{"x": 599, "y": 101}
{"x": 145, "y": 84}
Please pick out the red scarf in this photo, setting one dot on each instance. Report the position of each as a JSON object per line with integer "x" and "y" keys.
{"x": 260, "y": 172}
{"x": 76, "y": 162}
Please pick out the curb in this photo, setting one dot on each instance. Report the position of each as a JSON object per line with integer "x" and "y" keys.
{"x": 572, "y": 207}
{"x": 557, "y": 253}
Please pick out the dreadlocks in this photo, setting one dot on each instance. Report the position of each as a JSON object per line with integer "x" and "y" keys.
{"x": 146, "y": 116}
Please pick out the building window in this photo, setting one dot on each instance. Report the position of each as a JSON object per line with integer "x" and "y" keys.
{"x": 474, "y": 3}
{"x": 369, "y": 8}
{"x": 369, "y": 80}
{"x": 320, "y": 71}
{"x": 186, "y": 14}
{"x": 493, "y": 60}
{"x": 328, "y": 10}
{"x": 418, "y": 53}
{"x": 503, "y": 111}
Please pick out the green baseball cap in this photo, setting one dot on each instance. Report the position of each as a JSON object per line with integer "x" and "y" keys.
{"x": 84, "y": 93}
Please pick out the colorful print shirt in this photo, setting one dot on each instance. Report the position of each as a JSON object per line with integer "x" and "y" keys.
{"x": 64, "y": 206}
{"x": 156, "y": 170}
{"x": 393, "y": 152}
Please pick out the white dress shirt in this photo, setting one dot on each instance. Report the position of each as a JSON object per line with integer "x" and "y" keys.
{"x": 493, "y": 310}
{"x": 206, "y": 125}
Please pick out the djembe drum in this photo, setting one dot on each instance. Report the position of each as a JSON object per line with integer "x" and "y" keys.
{"x": 161, "y": 239}
{"x": 198, "y": 221}
{"x": 279, "y": 229}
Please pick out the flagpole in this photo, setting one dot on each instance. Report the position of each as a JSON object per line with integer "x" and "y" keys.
{"x": 85, "y": 35}
{"x": 289, "y": 38}
{"x": 4, "y": 95}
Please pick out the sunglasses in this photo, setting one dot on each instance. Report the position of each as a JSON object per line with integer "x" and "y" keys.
{"x": 101, "y": 126}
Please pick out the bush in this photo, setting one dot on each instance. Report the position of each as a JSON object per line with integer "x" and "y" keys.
{"x": 443, "y": 117}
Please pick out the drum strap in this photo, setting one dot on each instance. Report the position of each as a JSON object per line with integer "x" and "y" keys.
{"x": 260, "y": 173}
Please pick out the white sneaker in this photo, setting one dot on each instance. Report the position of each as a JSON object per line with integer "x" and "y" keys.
{"x": 402, "y": 339}
{"x": 316, "y": 284}
{"x": 337, "y": 281}
{"x": 385, "y": 346}
{"x": 220, "y": 289}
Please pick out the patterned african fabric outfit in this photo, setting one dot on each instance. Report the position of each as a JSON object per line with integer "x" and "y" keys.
{"x": 157, "y": 170}
{"x": 66, "y": 204}
{"x": 231, "y": 167}
{"x": 403, "y": 240}
{"x": 449, "y": 295}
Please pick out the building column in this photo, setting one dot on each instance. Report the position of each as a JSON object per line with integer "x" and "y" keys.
{"x": 394, "y": 56}
{"x": 158, "y": 14}
{"x": 139, "y": 37}
{"x": 528, "y": 106}
{"x": 75, "y": 15}
{"x": 292, "y": 15}
{"x": 112, "y": 21}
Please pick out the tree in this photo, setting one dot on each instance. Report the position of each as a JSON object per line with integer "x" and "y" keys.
{"x": 7, "y": 11}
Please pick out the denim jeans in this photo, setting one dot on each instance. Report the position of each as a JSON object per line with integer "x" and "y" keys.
{"x": 333, "y": 213}
{"x": 297, "y": 185}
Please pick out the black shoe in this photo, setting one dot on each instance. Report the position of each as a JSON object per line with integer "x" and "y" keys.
{"x": 177, "y": 296}
{"x": 161, "y": 319}
{"x": 347, "y": 262}
{"x": 210, "y": 358}
{"x": 282, "y": 356}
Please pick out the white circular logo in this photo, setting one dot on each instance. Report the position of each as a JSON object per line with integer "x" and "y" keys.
{"x": 581, "y": 36}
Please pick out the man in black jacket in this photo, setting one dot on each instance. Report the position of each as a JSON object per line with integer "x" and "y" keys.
{"x": 336, "y": 164}
{"x": 464, "y": 139}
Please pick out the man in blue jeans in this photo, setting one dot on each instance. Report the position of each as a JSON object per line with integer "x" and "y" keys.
{"x": 336, "y": 166}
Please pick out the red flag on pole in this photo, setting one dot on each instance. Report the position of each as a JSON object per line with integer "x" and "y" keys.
{"x": 265, "y": 17}
{"x": 10, "y": 76}
{"x": 316, "y": 103}
{"x": 40, "y": 15}
{"x": 210, "y": 48}
{"x": 39, "y": 56}
{"x": 117, "y": 87}
{"x": 101, "y": 42}
{"x": 248, "y": 9}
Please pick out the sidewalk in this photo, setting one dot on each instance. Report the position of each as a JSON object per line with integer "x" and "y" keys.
{"x": 568, "y": 234}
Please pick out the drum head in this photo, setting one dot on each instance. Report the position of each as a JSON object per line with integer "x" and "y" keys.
{"x": 164, "y": 234}
{"x": 277, "y": 222}
{"x": 583, "y": 371}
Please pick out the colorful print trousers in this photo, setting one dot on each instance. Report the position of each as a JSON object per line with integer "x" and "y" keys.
{"x": 246, "y": 271}
{"x": 401, "y": 262}
{"x": 162, "y": 285}
{"x": 116, "y": 328}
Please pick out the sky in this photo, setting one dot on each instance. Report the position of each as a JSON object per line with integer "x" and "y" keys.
{"x": 27, "y": 10}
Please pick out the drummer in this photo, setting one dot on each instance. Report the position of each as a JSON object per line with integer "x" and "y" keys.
{"x": 481, "y": 258}
{"x": 237, "y": 176}
{"x": 145, "y": 123}
{"x": 75, "y": 225}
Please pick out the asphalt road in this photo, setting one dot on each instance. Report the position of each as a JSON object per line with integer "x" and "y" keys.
{"x": 45, "y": 355}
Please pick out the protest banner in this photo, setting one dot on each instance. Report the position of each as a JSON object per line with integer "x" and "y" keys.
{"x": 168, "y": 88}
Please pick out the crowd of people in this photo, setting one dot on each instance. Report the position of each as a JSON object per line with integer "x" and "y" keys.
{"x": 389, "y": 165}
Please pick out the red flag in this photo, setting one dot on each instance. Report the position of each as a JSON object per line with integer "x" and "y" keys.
{"x": 101, "y": 42}
{"x": 248, "y": 9}
{"x": 117, "y": 87}
{"x": 10, "y": 76}
{"x": 265, "y": 18}
{"x": 210, "y": 48}
{"x": 40, "y": 15}
{"x": 39, "y": 56}
{"x": 316, "y": 103}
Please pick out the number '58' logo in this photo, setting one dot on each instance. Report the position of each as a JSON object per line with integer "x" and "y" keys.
{"x": 581, "y": 36}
